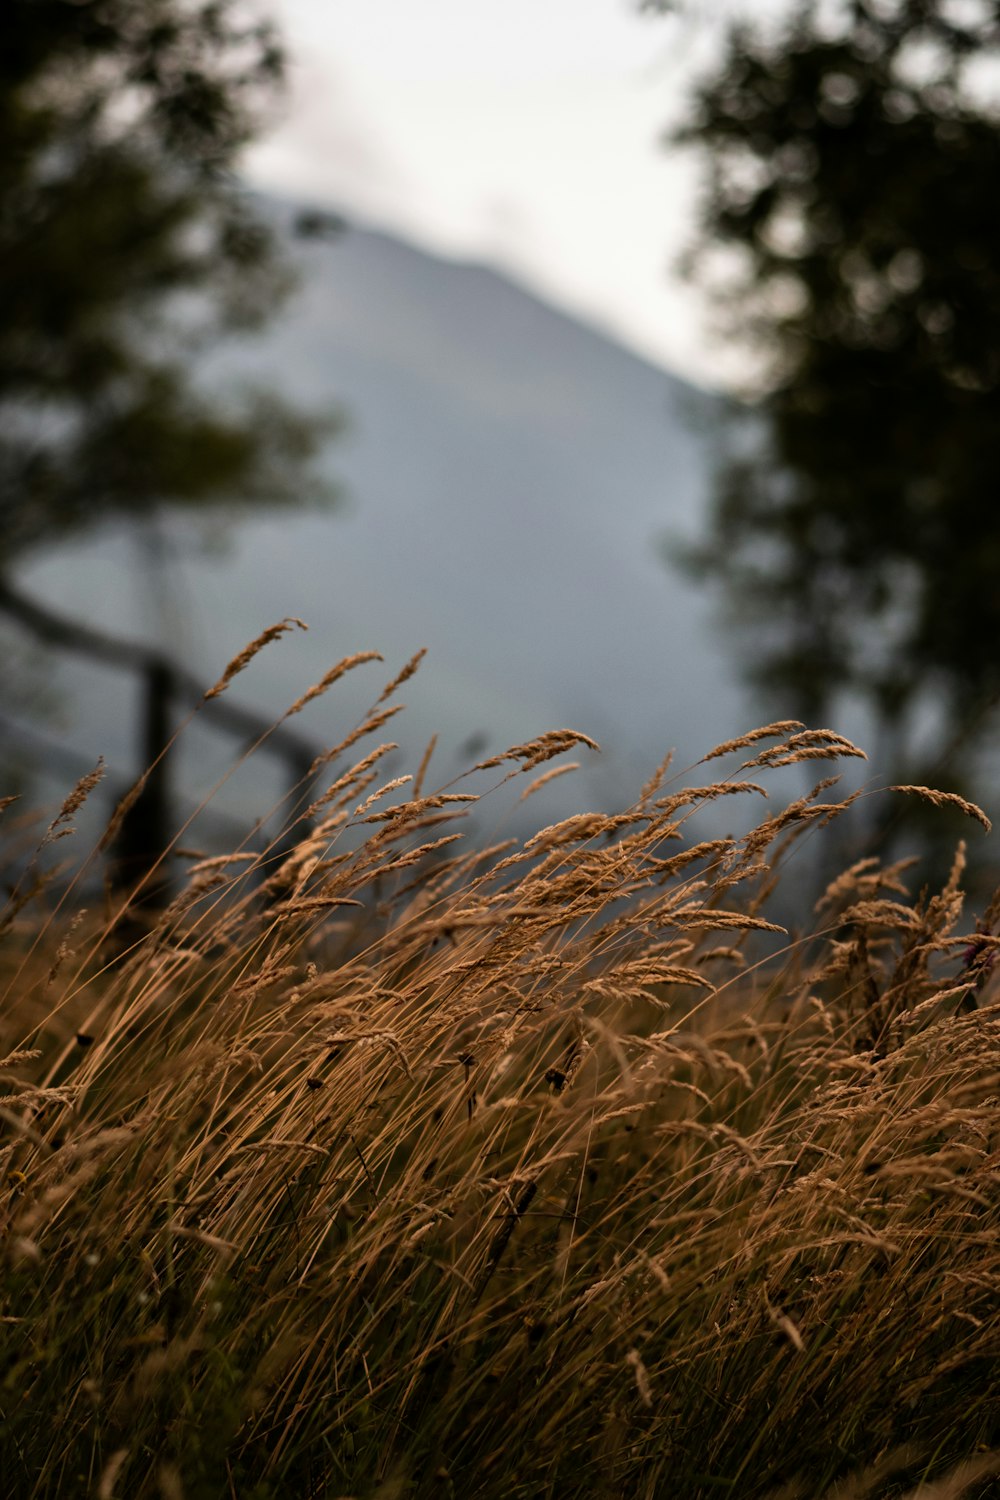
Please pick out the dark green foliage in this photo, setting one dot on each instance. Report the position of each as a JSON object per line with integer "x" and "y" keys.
{"x": 126, "y": 242}
{"x": 851, "y": 161}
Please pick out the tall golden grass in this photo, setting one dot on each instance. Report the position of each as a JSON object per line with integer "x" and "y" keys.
{"x": 389, "y": 1167}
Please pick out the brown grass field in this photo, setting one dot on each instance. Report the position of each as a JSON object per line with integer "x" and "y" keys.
{"x": 385, "y": 1166}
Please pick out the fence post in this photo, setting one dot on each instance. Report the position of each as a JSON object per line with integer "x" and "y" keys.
{"x": 145, "y": 832}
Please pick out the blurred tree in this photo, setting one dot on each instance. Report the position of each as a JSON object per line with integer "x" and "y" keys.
{"x": 126, "y": 241}
{"x": 849, "y": 222}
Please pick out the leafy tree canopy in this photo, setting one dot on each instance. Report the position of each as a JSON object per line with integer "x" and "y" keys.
{"x": 851, "y": 219}
{"x": 126, "y": 240}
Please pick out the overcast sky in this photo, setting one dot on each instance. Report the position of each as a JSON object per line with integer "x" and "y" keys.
{"x": 527, "y": 133}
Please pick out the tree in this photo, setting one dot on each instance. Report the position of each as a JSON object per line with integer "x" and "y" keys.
{"x": 126, "y": 244}
{"x": 850, "y": 217}
{"x": 126, "y": 241}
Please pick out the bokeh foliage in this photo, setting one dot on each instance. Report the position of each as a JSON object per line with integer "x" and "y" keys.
{"x": 848, "y": 224}
{"x": 126, "y": 243}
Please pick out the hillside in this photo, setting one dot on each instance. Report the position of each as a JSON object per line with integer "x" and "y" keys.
{"x": 505, "y": 474}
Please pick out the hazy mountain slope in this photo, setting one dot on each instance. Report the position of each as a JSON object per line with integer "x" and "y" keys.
{"x": 507, "y": 470}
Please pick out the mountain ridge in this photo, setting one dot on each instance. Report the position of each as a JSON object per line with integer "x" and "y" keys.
{"x": 507, "y": 469}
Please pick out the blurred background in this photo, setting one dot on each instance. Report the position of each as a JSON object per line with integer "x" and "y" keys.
{"x": 639, "y": 361}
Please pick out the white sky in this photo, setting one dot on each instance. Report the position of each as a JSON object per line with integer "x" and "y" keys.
{"x": 526, "y": 133}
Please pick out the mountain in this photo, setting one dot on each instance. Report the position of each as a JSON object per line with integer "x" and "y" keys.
{"x": 506, "y": 472}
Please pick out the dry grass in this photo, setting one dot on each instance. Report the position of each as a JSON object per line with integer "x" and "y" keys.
{"x": 385, "y": 1167}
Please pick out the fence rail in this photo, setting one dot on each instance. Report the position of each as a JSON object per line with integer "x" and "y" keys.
{"x": 146, "y": 830}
